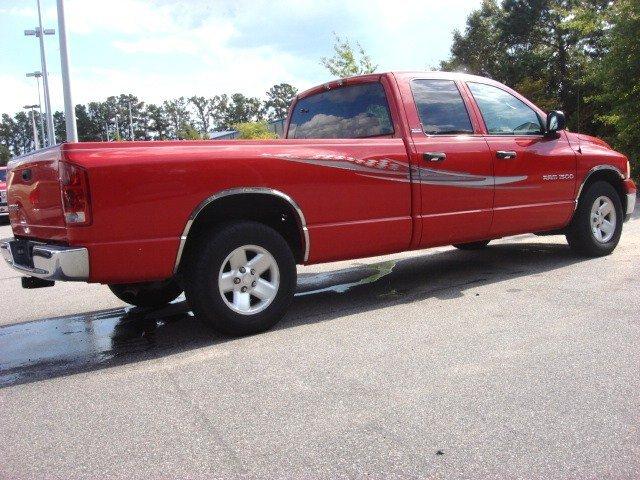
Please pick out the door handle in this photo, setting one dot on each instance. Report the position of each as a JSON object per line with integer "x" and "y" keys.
{"x": 506, "y": 154}
{"x": 434, "y": 156}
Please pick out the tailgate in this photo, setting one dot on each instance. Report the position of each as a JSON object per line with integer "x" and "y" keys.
{"x": 33, "y": 195}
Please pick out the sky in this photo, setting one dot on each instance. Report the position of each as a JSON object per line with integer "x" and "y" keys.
{"x": 162, "y": 49}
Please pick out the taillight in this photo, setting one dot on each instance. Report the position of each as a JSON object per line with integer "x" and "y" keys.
{"x": 76, "y": 202}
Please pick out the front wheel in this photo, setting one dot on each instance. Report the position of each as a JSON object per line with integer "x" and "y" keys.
{"x": 241, "y": 278}
{"x": 597, "y": 222}
{"x": 150, "y": 294}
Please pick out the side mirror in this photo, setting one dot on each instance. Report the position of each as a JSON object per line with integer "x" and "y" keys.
{"x": 555, "y": 121}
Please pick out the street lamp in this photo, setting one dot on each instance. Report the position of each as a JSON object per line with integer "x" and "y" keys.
{"x": 40, "y": 33}
{"x": 36, "y": 144}
{"x": 37, "y": 76}
{"x": 69, "y": 109}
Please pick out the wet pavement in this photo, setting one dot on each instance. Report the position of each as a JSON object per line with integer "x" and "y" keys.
{"x": 52, "y": 347}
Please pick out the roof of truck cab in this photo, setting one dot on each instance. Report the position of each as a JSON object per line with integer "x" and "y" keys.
{"x": 405, "y": 75}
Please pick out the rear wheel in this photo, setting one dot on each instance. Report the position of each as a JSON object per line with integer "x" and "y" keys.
{"x": 472, "y": 245}
{"x": 150, "y": 294}
{"x": 241, "y": 278}
{"x": 597, "y": 222}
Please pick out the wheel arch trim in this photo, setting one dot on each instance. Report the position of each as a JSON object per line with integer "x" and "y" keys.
{"x": 597, "y": 168}
{"x": 301, "y": 221}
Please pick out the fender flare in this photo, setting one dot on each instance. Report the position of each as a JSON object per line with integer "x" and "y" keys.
{"x": 597, "y": 168}
{"x": 302, "y": 223}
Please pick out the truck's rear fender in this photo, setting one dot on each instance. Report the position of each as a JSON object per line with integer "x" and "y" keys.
{"x": 268, "y": 206}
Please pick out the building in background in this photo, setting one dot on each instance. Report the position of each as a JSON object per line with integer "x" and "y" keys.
{"x": 276, "y": 126}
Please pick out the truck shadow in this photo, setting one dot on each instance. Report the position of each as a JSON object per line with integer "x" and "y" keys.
{"x": 54, "y": 347}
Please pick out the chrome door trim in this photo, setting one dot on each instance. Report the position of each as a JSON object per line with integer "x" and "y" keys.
{"x": 595, "y": 169}
{"x": 302, "y": 223}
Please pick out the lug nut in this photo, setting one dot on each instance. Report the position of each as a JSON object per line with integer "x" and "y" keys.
{"x": 236, "y": 280}
{"x": 243, "y": 289}
{"x": 242, "y": 270}
{"x": 253, "y": 272}
{"x": 253, "y": 284}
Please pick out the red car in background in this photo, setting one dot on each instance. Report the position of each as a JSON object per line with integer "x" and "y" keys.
{"x": 4, "y": 210}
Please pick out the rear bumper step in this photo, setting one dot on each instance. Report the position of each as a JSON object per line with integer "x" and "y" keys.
{"x": 48, "y": 262}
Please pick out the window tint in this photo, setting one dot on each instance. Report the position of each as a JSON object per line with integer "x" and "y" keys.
{"x": 357, "y": 111}
{"x": 440, "y": 107}
{"x": 503, "y": 113}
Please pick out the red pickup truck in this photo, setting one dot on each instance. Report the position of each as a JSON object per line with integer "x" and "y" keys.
{"x": 370, "y": 165}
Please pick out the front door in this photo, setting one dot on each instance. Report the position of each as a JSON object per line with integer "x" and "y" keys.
{"x": 451, "y": 164}
{"x": 535, "y": 175}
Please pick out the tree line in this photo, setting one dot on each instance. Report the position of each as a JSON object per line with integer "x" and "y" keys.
{"x": 125, "y": 116}
{"x": 579, "y": 56}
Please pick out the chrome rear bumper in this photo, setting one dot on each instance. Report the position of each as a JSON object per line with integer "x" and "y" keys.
{"x": 631, "y": 205}
{"x": 49, "y": 262}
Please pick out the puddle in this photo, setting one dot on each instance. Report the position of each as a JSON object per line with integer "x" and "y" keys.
{"x": 58, "y": 346}
{"x": 379, "y": 270}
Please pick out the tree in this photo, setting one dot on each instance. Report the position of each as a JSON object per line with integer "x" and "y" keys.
{"x": 279, "y": 98}
{"x": 346, "y": 62}
{"x": 237, "y": 109}
{"x": 618, "y": 103}
{"x": 158, "y": 124}
{"x": 545, "y": 49}
{"x": 188, "y": 132}
{"x": 254, "y": 130}
{"x": 60, "y": 127}
{"x": 478, "y": 50}
{"x": 5, "y": 155}
{"x": 203, "y": 107}
{"x": 178, "y": 115}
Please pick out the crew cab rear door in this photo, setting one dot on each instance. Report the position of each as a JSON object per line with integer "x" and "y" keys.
{"x": 535, "y": 174}
{"x": 451, "y": 164}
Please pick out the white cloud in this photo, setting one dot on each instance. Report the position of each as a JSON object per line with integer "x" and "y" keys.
{"x": 17, "y": 92}
{"x": 161, "y": 49}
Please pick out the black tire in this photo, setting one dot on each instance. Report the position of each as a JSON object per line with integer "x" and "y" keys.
{"x": 580, "y": 235}
{"x": 472, "y": 245}
{"x": 208, "y": 259}
{"x": 152, "y": 294}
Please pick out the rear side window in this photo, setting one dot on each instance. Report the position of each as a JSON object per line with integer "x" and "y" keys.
{"x": 441, "y": 108}
{"x": 503, "y": 113}
{"x": 357, "y": 111}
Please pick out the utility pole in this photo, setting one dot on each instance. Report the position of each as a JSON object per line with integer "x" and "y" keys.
{"x": 36, "y": 144}
{"x": 40, "y": 33}
{"x": 69, "y": 109}
{"x": 37, "y": 76}
{"x": 130, "y": 122}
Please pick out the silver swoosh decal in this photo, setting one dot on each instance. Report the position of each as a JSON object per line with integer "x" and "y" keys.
{"x": 387, "y": 169}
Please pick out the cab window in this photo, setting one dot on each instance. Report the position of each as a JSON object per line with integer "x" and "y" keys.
{"x": 440, "y": 107}
{"x": 503, "y": 113}
{"x": 357, "y": 111}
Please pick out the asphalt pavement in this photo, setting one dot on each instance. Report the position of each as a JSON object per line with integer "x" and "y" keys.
{"x": 518, "y": 361}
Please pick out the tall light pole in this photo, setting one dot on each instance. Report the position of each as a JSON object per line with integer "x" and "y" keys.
{"x": 130, "y": 122}
{"x": 40, "y": 33}
{"x": 36, "y": 144}
{"x": 37, "y": 76}
{"x": 69, "y": 109}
